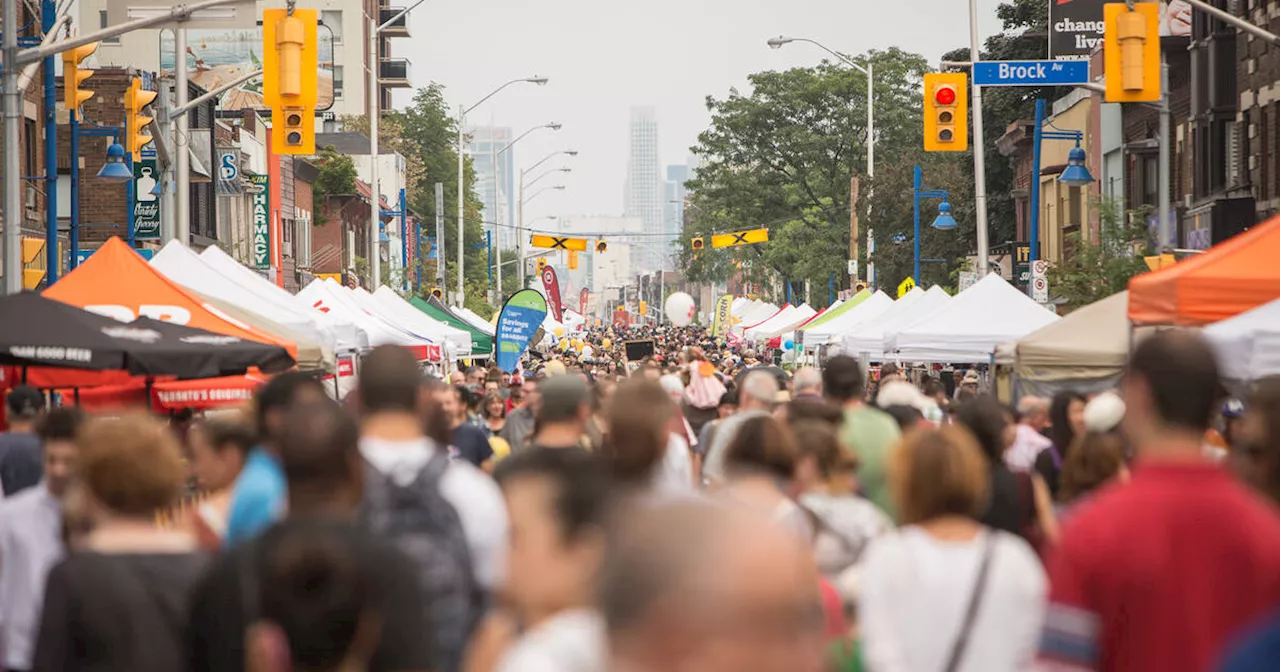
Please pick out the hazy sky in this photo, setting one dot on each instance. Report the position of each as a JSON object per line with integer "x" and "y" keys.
{"x": 604, "y": 57}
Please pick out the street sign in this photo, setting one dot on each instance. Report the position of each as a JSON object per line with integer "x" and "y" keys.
{"x": 740, "y": 238}
{"x": 906, "y": 286}
{"x": 559, "y": 243}
{"x": 853, "y": 267}
{"x": 146, "y": 205}
{"x": 1039, "y": 281}
{"x": 1030, "y": 73}
{"x": 967, "y": 279}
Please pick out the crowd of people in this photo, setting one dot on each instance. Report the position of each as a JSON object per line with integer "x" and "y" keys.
{"x": 697, "y": 508}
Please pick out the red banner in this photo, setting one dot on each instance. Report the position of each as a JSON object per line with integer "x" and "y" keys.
{"x": 621, "y": 318}
{"x": 552, "y": 286}
{"x": 582, "y": 301}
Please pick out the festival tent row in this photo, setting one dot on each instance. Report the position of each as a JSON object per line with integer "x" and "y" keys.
{"x": 836, "y": 311}
{"x": 327, "y": 296}
{"x": 476, "y": 321}
{"x": 754, "y": 315}
{"x": 870, "y": 337}
{"x": 481, "y": 342}
{"x": 783, "y": 317}
{"x": 862, "y": 312}
{"x": 1084, "y": 351}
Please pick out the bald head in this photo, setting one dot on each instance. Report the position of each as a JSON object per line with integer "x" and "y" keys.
{"x": 680, "y": 579}
{"x": 1033, "y": 411}
{"x": 759, "y": 390}
{"x": 808, "y": 381}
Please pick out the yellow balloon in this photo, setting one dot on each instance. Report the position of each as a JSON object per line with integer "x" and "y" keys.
{"x": 606, "y": 343}
{"x": 579, "y": 345}
{"x": 559, "y": 331}
{"x": 564, "y": 344}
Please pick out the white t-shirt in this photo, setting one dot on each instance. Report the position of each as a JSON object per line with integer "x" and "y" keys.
{"x": 572, "y": 641}
{"x": 846, "y": 526}
{"x": 915, "y": 591}
{"x": 674, "y": 474}
{"x": 480, "y": 505}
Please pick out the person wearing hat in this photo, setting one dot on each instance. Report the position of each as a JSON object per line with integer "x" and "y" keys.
{"x": 21, "y": 465}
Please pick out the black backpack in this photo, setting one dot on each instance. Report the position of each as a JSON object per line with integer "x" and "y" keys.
{"x": 425, "y": 526}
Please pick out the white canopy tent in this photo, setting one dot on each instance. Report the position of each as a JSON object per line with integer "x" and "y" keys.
{"x": 474, "y": 320}
{"x": 740, "y": 306}
{"x": 860, "y": 314}
{"x": 970, "y": 327}
{"x": 755, "y": 315}
{"x": 782, "y": 317}
{"x": 869, "y": 337}
{"x": 348, "y": 333}
{"x": 803, "y": 314}
{"x": 1248, "y": 345}
{"x": 331, "y": 298}
{"x": 178, "y": 263}
{"x": 388, "y": 305}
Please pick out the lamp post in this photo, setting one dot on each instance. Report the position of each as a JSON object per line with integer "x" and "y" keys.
{"x": 520, "y": 221}
{"x": 462, "y": 197}
{"x": 494, "y": 160}
{"x": 1075, "y": 175}
{"x": 777, "y": 43}
{"x": 943, "y": 222}
{"x": 375, "y": 111}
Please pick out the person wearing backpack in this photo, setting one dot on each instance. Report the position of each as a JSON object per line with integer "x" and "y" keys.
{"x": 446, "y": 515}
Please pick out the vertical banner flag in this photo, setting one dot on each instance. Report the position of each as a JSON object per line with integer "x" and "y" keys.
{"x": 582, "y": 300}
{"x": 521, "y": 316}
{"x": 260, "y": 245}
{"x": 552, "y": 286}
{"x": 721, "y": 323}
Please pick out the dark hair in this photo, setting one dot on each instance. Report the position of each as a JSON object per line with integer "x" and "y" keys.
{"x": 234, "y": 432}
{"x": 1181, "y": 375}
{"x": 818, "y": 438}
{"x": 389, "y": 381}
{"x": 489, "y": 399}
{"x": 1060, "y": 430}
{"x": 580, "y": 479}
{"x": 61, "y": 423}
{"x": 985, "y": 418}
{"x": 807, "y": 409}
{"x": 762, "y": 445}
{"x": 316, "y": 590}
{"x": 730, "y": 396}
{"x": 906, "y": 416}
{"x": 932, "y": 387}
{"x": 842, "y": 379}
{"x": 638, "y": 422}
{"x": 317, "y": 446}
{"x": 1095, "y": 458}
{"x": 278, "y": 394}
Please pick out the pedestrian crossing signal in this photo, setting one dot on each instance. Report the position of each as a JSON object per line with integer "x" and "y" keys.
{"x": 698, "y": 243}
{"x": 602, "y": 246}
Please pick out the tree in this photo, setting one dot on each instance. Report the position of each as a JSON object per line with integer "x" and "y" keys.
{"x": 336, "y": 177}
{"x": 1098, "y": 269}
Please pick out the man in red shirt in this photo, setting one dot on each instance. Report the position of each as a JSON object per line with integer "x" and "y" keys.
{"x": 1161, "y": 573}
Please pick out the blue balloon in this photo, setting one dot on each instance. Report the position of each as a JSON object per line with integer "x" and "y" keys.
{"x": 789, "y": 345}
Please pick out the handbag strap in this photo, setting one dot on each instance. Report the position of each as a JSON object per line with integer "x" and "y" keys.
{"x": 975, "y": 601}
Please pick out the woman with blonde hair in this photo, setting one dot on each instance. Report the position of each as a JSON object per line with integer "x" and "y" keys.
{"x": 943, "y": 592}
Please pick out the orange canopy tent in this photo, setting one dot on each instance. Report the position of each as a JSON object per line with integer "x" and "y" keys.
{"x": 116, "y": 281}
{"x": 1236, "y": 275}
{"x": 168, "y": 395}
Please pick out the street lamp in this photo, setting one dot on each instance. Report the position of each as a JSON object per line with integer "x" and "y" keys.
{"x": 534, "y": 181}
{"x": 776, "y": 43}
{"x": 493, "y": 159}
{"x": 523, "y": 200}
{"x": 462, "y": 199}
{"x": 1075, "y": 174}
{"x": 943, "y": 222}
{"x": 115, "y": 170}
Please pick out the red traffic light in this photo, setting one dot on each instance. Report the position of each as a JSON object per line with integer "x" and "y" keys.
{"x": 945, "y": 95}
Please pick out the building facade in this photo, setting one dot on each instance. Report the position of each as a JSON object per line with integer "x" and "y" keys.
{"x": 494, "y": 166}
{"x": 644, "y": 189}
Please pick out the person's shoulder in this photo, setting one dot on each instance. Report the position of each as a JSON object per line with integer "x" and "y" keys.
{"x": 22, "y": 502}
{"x": 468, "y": 480}
{"x": 1019, "y": 556}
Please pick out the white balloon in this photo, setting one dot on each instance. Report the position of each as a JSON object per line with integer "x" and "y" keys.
{"x": 588, "y": 352}
{"x": 680, "y": 309}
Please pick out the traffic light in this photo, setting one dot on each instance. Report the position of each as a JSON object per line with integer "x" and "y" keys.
{"x": 542, "y": 263}
{"x": 290, "y": 78}
{"x": 73, "y": 76}
{"x": 698, "y": 243}
{"x": 602, "y": 246}
{"x": 135, "y": 99}
{"x": 438, "y": 293}
{"x": 1131, "y": 52}
{"x": 859, "y": 286}
{"x": 946, "y": 112}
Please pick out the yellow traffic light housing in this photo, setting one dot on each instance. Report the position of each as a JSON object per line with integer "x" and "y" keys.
{"x": 542, "y": 263}
{"x": 946, "y": 112}
{"x": 135, "y": 100}
{"x": 1131, "y": 52}
{"x": 698, "y": 243}
{"x": 602, "y": 246}
{"x": 859, "y": 286}
{"x": 73, "y": 76}
{"x": 290, "y": 66}
{"x": 644, "y": 308}
{"x": 438, "y": 293}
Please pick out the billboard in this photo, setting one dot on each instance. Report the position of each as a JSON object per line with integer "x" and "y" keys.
{"x": 1076, "y": 26}
{"x": 215, "y": 57}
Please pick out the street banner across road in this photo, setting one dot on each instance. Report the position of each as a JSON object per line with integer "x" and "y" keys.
{"x": 520, "y": 319}
{"x": 1030, "y": 73}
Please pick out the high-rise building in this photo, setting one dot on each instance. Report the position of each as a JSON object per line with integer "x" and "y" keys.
{"x": 644, "y": 189}
{"x": 673, "y": 195}
{"x": 495, "y": 186}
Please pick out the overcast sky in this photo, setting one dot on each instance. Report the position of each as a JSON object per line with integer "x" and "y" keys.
{"x": 604, "y": 57}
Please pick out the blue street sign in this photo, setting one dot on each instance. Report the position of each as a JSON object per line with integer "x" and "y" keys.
{"x": 1030, "y": 73}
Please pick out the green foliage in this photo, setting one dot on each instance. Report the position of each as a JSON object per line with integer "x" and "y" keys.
{"x": 337, "y": 177}
{"x": 1102, "y": 267}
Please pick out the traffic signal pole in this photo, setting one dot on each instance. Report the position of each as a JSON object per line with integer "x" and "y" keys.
{"x": 979, "y": 150}
{"x": 52, "y": 262}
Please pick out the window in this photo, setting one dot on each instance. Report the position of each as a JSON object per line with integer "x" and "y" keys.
{"x": 102, "y": 23}
{"x": 332, "y": 19}
{"x": 337, "y": 82}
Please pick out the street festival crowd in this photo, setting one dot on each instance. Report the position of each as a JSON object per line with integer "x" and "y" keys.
{"x": 694, "y": 509}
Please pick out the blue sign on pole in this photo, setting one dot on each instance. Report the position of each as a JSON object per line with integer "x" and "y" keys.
{"x": 1030, "y": 73}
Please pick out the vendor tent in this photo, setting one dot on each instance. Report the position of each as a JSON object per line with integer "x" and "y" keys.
{"x": 312, "y": 355}
{"x": 178, "y": 263}
{"x": 836, "y": 311}
{"x": 1230, "y": 278}
{"x": 328, "y": 297}
{"x": 874, "y": 338}
{"x": 832, "y": 330}
{"x": 740, "y": 306}
{"x": 481, "y": 342}
{"x": 802, "y": 315}
{"x": 972, "y": 324}
{"x": 475, "y": 320}
{"x": 347, "y": 334}
{"x": 781, "y": 318}
{"x": 755, "y": 316}
{"x": 1091, "y": 342}
{"x": 1248, "y": 345}
{"x": 390, "y": 307}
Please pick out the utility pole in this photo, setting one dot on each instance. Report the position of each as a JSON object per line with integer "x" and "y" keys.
{"x": 462, "y": 197}
{"x": 375, "y": 111}
{"x": 1167, "y": 226}
{"x": 182, "y": 141}
{"x": 495, "y": 244}
{"x": 979, "y": 150}
{"x": 440, "y": 235}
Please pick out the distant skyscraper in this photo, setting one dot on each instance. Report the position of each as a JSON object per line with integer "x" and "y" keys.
{"x": 674, "y": 193}
{"x": 496, "y": 188}
{"x": 644, "y": 189}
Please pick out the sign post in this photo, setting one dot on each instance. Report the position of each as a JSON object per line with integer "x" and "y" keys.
{"x": 1040, "y": 281}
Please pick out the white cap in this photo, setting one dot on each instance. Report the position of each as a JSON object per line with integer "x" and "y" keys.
{"x": 1104, "y": 412}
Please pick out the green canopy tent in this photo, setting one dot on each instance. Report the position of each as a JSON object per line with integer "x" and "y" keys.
{"x": 481, "y": 343}
{"x": 840, "y": 310}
